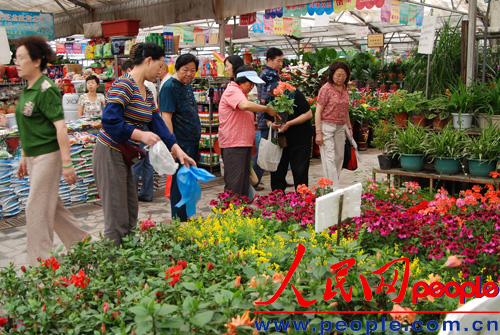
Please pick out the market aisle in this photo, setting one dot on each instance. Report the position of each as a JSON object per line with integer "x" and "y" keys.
{"x": 13, "y": 241}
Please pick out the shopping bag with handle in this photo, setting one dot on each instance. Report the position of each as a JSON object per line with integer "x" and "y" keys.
{"x": 269, "y": 153}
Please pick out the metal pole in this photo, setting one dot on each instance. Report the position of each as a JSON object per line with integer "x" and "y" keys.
{"x": 428, "y": 75}
{"x": 486, "y": 24}
{"x": 471, "y": 40}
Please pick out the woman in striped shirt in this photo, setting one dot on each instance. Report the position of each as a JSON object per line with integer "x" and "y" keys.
{"x": 130, "y": 106}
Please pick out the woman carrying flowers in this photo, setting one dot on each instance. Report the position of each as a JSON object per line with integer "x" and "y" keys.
{"x": 297, "y": 131}
{"x": 332, "y": 118}
{"x": 236, "y": 130}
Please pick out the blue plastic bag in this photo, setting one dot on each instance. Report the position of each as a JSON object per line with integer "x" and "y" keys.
{"x": 187, "y": 181}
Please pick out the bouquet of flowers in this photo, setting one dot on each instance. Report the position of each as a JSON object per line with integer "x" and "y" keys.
{"x": 283, "y": 100}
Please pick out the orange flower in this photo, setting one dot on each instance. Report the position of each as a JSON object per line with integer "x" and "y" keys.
{"x": 237, "y": 281}
{"x": 453, "y": 262}
{"x": 278, "y": 277}
{"x": 433, "y": 278}
{"x": 494, "y": 174}
{"x": 398, "y": 314}
{"x": 239, "y": 321}
{"x": 324, "y": 182}
{"x": 254, "y": 281}
{"x": 476, "y": 188}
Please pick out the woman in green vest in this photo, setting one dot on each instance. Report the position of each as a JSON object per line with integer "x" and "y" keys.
{"x": 45, "y": 151}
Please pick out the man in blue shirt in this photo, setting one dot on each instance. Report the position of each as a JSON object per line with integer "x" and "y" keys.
{"x": 274, "y": 58}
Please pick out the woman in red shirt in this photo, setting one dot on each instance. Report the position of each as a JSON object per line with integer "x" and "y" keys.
{"x": 332, "y": 120}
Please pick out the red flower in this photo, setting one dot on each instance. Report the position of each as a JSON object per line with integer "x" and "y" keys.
{"x": 64, "y": 281}
{"x": 23, "y": 268}
{"x": 80, "y": 280}
{"x": 184, "y": 264}
{"x": 51, "y": 263}
{"x": 147, "y": 224}
{"x": 3, "y": 321}
{"x": 174, "y": 273}
{"x": 210, "y": 266}
{"x": 105, "y": 307}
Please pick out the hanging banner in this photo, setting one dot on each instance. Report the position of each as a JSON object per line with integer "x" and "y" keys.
{"x": 258, "y": 26}
{"x": 404, "y": 12}
{"x": 236, "y": 32}
{"x": 60, "y": 48}
{"x": 188, "y": 35}
{"x": 179, "y": 31}
{"x": 77, "y": 48}
{"x": 21, "y": 24}
{"x": 297, "y": 27}
{"x": 197, "y": 31}
{"x": 213, "y": 39}
{"x": 268, "y": 26}
{"x": 278, "y": 26}
{"x": 360, "y": 4}
{"x": 200, "y": 40}
{"x": 412, "y": 15}
{"x": 295, "y": 10}
{"x": 350, "y": 4}
{"x": 385, "y": 11}
{"x": 248, "y": 19}
{"x": 320, "y": 8}
{"x": 287, "y": 26}
{"x": 426, "y": 43}
{"x": 375, "y": 40}
{"x": 339, "y": 6}
{"x": 420, "y": 15}
{"x": 395, "y": 6}
{"x": 68, "y": 47}
{"x": 275, "y": 12}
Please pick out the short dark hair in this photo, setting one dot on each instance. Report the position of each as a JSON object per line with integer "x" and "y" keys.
{"x": 185, "y": 60}
{"x": 339, "y": 65}
{"x": 38, "y": 48}
{"x": 94, "y": 78}
{"x": 141, "y": 51}
{"x": 272, "y": 53}
{"x": 128, "y": 64}
{"x": 242, "y": 80}
{"x": 235, "y": 61}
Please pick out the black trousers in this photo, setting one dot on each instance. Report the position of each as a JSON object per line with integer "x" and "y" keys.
{"x": 298, "y": 156}
{"x": 237, "y": 169}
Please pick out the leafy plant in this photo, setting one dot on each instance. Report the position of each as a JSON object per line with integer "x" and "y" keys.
{"x": 439, "y": 107}
{"x": 394, "y": 103}
{"x": 449, "y": 143}
{"x": 383, "y": 133}
{"x": 320, "y": 58}
{"x": 411, "y": 140}
{"x": 485, "y": 146}
{"x": 415, "y": 103}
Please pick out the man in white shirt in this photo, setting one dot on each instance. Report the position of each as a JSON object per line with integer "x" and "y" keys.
{"x": 164, "y": 75}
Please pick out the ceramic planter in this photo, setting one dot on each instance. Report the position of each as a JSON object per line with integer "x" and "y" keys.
{"x": 463, "y": 121}
{"x": 385, "y": 162}
{"x": 401, "y": 119}
{"x": 412, "y": 162}
{"x": 447, "y": 165}
{"x": 485, "y": 119}
{"x": 481, "y": 168}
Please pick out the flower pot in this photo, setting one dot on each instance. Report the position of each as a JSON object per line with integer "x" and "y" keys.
{"x": 412, "y": 162}
{"x": 481, "y": 167}
{"x": 420, "y": 121}
{"x": 401, "y": 119}
{"x": 383, "y": 88}
{"x": 284, "y": 118}
{"x": 437, "y": 123}
{"x": 248, "y": 58}
{"x": 385, "y": 162}
{"x": 363, "y": 137}
{"x": 394, "y": 87}
{"x": 372, "y": 83}
{"x": 483, "y": 120}
{"x": 463, "y": 121}
{"x": 447, "y": 165}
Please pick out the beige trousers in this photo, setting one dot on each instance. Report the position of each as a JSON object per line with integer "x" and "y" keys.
{"x": 332, "y": 151}
{"x": 45, "y": 211}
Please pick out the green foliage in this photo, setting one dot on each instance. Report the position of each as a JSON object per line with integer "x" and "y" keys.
{"x": 410, "y": 140}
{"x": 485, "y": 146}
{"x": 321, "y": 58}
{"x": 449, "y": 143}
{"x": 383, "y": 133}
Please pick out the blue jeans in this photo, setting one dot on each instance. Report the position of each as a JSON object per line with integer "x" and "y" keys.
{"x": 175, "y": 194}
{"x": 145, "y": 170}
{"x": 262, "y": 133}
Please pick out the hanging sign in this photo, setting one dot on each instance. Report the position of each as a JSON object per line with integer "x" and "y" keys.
{"x": 339, "y": 6}
{"x": 268, "y": 26}
{"x": 21, "y": 24}
{"x": 248, "y": 19}
{"x": 199, "y": 40}
{"x": 362, "y": 32}
{"x": 213, "y": 39}
{"x": 385, "y": 11}
{"x": 68, "y": 48}
{"x": 404, "y": 13}
{"x": 60, "y": 48}
{"x": 258, "y": 26}
{"x": 412, "y": 15}
{"x": 179, "y": 31}
{"x": 420, "y": 15}
{"x": 375, "y": 40}
{"x": 188, "y": 35}
{"x": 297, "y": 27}
{"x": 236, "y": 32}
{"x": 320, "y": 8}
{"x": 275, "y": 12}
{"x": 77, "y": 48}
{"x": 360, "y": 4}
{"x": 278, "y": 26}
{"x": 295, "y": 10}
{"x": 426, "y": 43}
{"x": 287, "y": 26}
{"x": 395, "y": 6}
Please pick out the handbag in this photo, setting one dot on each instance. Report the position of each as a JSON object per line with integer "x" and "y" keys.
{"x": 350, "y": 161}
{"x": 269, "y": 154}
{"x": 131, "y": 153}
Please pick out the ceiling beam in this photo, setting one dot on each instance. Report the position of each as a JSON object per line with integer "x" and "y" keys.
{"x": 81, "y": 4}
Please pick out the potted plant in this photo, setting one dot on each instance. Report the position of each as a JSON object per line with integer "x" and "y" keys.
{"x": 417, "y": 105}
{"x": 483, "y": 150}
{"x": 411, "y": 143}
{"x": 465, "y": 101}
{"x": 439, "y": 112}
{"x": 361, "y": 116}
{"x": 447, "y": 148}
{"x": 372, "y": 73}
{"x": 491, "y": 98}
{"x": 383, "y": 79}
{"x": 383, "y": 134}
{"x": 394, "y": 105}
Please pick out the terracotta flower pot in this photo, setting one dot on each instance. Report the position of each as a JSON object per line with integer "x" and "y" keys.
{"x": 401, "y": 119}
{"x": 420, "y": 121}
{"x": 437, "y": 123}
{"x": 383, "y": 88}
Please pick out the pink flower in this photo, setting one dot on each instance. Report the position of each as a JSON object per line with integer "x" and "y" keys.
{"x": 453, "y": 262}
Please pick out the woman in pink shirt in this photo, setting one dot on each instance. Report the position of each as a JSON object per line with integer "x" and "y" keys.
{"x": 332, "y": 120}
{"x": 236, "y": 130}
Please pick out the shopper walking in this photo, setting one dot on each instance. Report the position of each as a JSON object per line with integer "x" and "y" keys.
{"x": 45, "y": 152}
{"x": 90, "y": 104}
{"x": 236, "y": 130}
{"x": 130, "y": 106}
{"x": 180, "y": 112}
{"x": 274, "y": 63}
{"x": 332, "y": 119}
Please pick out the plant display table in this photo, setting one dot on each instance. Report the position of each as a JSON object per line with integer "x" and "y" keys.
{"x": 432, "y": 175}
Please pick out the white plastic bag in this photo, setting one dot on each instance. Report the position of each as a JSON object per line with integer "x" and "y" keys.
{"x": 269, "y": 154}
{"x": 162, "y": 159}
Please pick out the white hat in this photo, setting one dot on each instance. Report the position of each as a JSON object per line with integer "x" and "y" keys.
{"x": 252, "y": 76}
